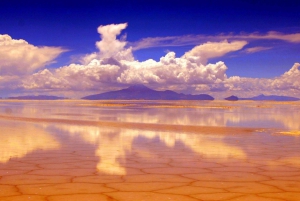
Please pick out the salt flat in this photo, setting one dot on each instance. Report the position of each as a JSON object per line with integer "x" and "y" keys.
{"x": 145, "y": 150}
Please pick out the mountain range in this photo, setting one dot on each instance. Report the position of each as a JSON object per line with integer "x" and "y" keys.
{"x": 262, "y": 97}
{"x": 141, "y": 92}
{"x": 39, "y": 97}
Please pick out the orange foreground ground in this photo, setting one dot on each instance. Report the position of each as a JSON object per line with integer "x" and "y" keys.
{"x": 140, "y": 151}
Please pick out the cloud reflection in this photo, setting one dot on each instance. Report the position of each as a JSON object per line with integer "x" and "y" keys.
{"x": 17, "y": 140}
{"x": 217, "y": 113}
{"x": 114, "y": 143}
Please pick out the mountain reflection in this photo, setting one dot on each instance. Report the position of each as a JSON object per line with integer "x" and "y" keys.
{"x": 256, "y": 114}
{"x": 114, "y": 143}
{"x": 17, "y": 140}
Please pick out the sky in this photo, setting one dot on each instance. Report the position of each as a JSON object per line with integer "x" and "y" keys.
{"x": 221, "y": 48}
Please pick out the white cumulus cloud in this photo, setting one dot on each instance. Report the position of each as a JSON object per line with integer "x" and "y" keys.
{"x": 115, "y": 65}
{"x": 172, "y": 70}
{"x": 109, "y": 46}
{"x": 290, "y": 80}
{"x": 286, "y": 84}
{"x": 18, "y": 57}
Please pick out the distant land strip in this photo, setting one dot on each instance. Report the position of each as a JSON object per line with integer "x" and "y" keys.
{"x": 142, "y": 126}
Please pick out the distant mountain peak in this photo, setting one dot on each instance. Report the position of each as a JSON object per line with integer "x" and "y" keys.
{"x": 263, "y": 97}
{"x": 232, "y": 98}
{"x": 141, "y": 92}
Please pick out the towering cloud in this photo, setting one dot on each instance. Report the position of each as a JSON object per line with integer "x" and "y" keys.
{"x": 109, "y": 46}
{"x": 115, "y": 65}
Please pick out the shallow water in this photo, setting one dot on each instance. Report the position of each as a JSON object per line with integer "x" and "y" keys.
{"x": 140, "y": 150}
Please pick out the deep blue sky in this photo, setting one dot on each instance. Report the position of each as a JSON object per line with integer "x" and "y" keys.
{"x": 73, "y": 24}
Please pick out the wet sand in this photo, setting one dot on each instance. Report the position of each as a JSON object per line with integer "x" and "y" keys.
{"x": 140, "y": 126}
{"x": 138, "y": 150}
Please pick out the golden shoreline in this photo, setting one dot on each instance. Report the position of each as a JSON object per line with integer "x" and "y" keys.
{"x": 140, "y": 126}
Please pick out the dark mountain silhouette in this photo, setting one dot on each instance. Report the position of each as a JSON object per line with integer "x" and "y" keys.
{"x": 39, "y": 97}
{"x": 141, "y": 92}
{"x": 232, "y": 98}
{"x": 271, "y": 98}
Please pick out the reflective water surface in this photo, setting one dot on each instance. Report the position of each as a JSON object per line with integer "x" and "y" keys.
{"x": 141, "y": 150}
